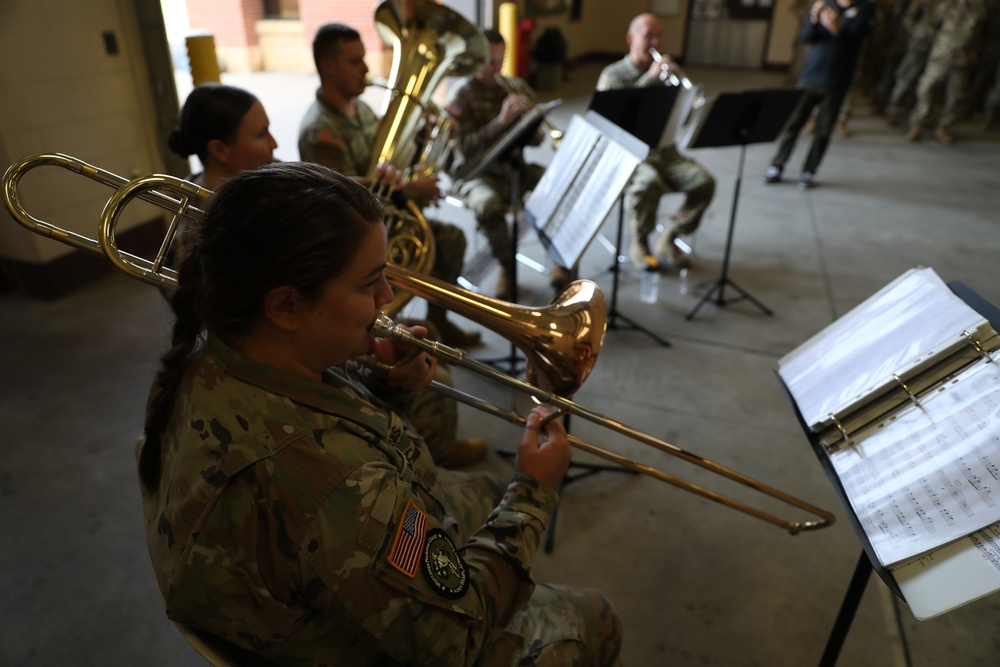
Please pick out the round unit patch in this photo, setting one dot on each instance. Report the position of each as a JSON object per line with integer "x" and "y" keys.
{"x": 444, "y": 568}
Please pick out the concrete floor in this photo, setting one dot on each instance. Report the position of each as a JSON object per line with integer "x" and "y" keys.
{"x": 695, "y": 583}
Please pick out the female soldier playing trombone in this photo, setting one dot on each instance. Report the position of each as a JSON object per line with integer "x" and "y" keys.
{"x": 290, "y": 507}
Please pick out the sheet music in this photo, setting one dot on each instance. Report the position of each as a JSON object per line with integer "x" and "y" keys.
{"x": 952, "y": 576}
{"x": 930, "y": 474}
{"x": 587, "y": 174}
{"x": 906, "y": 322}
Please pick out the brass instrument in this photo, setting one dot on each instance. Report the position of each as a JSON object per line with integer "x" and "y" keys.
{"x": 690, "y": 106}
{"x": 437, "y": 134}
{"x": 561, "y": 342}
{"x": 666, "y": 75}
{"x": 429, "y": 41}
{"x": 509, "y": 87}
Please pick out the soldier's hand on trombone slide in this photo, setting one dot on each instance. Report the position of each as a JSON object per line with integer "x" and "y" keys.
{"x": 544, "y": 452}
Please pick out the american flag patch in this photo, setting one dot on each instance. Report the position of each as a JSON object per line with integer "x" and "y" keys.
{"x": 409, "y": 541}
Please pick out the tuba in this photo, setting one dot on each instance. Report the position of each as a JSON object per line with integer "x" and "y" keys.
{"x": 429, "y": 41}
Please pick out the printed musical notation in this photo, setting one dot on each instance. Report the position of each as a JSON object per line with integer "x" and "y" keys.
{"x": 930, "y": 474}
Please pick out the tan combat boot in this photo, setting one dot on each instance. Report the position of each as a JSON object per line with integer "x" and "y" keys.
{"x": 943, "y": 135}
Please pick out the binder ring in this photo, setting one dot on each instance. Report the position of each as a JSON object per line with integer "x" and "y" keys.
{"x": 978, "y": 347}
{"x": 840, "y": 427}
{"x": 909, "y": 393}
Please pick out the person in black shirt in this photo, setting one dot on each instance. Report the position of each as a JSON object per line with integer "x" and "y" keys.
{"x": 834, "y": 32}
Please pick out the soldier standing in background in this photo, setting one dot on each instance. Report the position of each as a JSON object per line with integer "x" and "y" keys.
{"x": 949, "y": 65}
{"x": 923, "y": 19}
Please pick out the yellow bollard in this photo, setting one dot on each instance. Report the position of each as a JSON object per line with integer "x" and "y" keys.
{"x": 202, "y": 59}
{"x": 508, "y": 28}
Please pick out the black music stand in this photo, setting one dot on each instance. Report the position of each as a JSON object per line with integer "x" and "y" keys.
{"x": 740, "y": 119}
{"x": 868, "y": 561}
{"x": 509, "y": 149}
{"x": 643, "y": 113}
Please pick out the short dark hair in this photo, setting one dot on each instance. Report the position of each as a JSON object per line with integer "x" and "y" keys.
{"x": 493, "y": 36}
{"x": 211, "y": 111}
{"x": 326, "y": 43}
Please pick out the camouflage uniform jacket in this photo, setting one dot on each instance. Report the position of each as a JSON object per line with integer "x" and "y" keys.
{"x": 475, "y": 106}
{"x": 330, "y": 138}
{"x": 304, "y": 521}
{"x": 625, "y": 74}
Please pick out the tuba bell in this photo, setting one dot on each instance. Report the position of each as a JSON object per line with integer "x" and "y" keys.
{"x": 428, "y": 41}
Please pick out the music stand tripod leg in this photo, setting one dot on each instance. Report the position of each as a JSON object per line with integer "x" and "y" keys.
{"x": 852, "y": 599}
{"x": 719, "y": 284}
{"x": 513, "y": 360}
{"x": 613, "y": 314}
{"x": 588, "y": 469}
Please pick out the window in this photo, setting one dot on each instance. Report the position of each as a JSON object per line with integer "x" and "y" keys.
{"x": 281, "y": 9}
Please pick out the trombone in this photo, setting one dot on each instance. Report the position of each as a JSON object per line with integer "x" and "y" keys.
{"x": 561, "y": 341}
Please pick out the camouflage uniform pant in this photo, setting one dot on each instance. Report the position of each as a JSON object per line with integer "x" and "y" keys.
{"x": 449, "y": 251}
{"x": 954, "y": 80}
{"x": 667, "y": 171}
{"x": 488, "y": 197}
{"x": 560, "y": 626}
{"x": 909, "y": 71}
{"x": 829, "y": 101}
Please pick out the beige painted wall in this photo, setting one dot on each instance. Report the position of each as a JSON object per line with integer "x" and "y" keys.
{"x": 603, "y": 25}
{"x": 785, "y": 24}
{"x": 75, "y": 99}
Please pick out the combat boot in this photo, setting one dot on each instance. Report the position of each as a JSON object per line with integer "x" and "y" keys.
{"x": 916, "y": 133}
{"x": 943, "y": 135}
{"x": 668, "y": 252}
{"x": 640, "y": 254}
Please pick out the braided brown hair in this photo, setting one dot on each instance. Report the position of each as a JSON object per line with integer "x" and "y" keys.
{"x": 286, "y": 223}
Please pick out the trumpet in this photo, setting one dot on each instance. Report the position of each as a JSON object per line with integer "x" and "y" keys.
{"x": 556, "y": 135}
{"x": 668, "y": 69}
{"x": 561, "y": 342}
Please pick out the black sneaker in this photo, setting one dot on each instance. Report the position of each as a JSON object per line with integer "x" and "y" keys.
{"x": 772, "y": 175}
{"x": 807, "y": 180}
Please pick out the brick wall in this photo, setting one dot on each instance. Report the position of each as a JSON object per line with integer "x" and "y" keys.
{"x": 359, "y": 14}
{"x": 234, "y": 24}
{"x": 230, "y": 21}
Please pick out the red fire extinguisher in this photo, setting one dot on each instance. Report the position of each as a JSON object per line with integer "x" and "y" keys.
{"x": 524, "y": 29}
